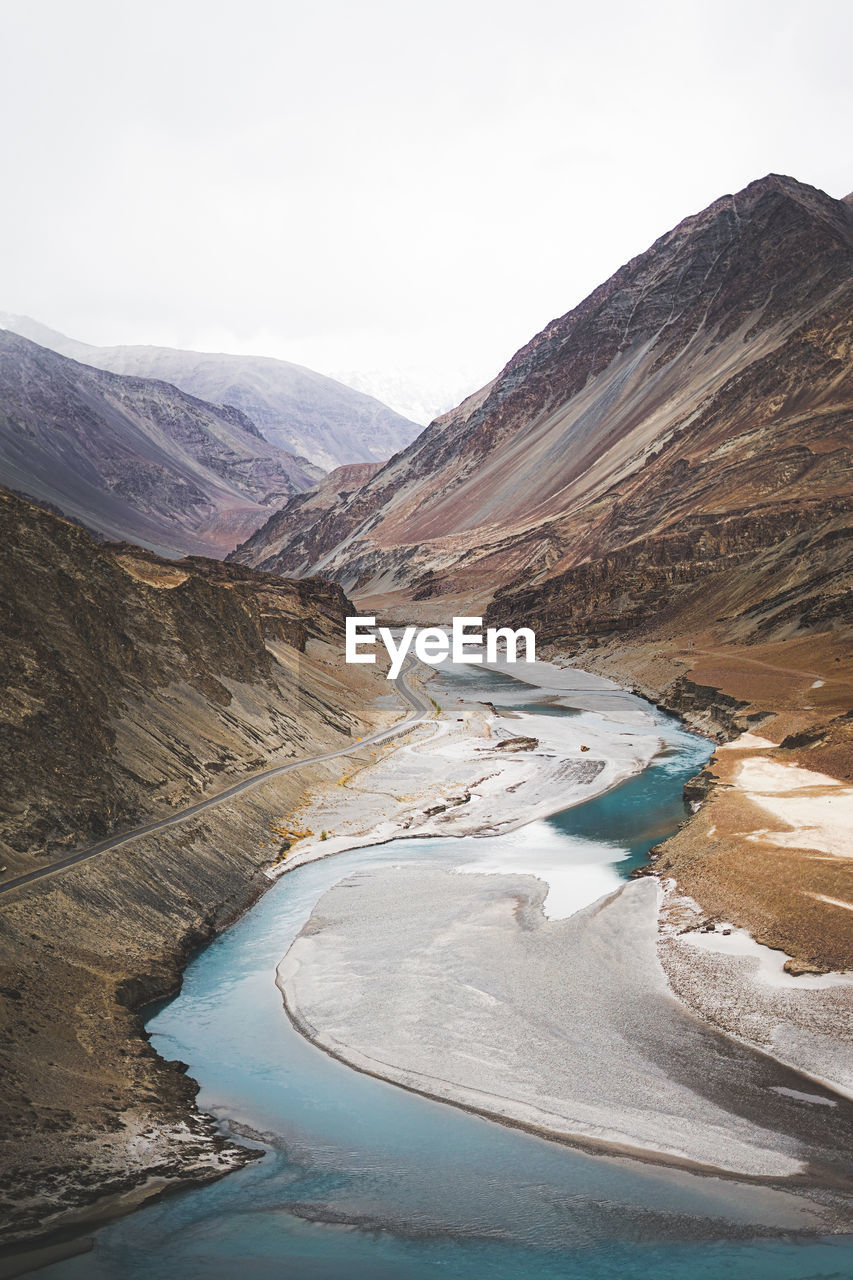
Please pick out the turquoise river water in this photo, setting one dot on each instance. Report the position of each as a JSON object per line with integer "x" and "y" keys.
{"x": 360, "y": 1179}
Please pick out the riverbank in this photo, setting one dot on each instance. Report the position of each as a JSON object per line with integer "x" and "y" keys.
{"x": 459, "y": 988}
{"x": 392, "y": 787}
{"x": 475, "y": 1024}
{"x": 771, "y": 851}
{"x": 106, "y": 1118}
{"x": 481, "y": 770}
{"x": 92, "y": 1115}
{"x": 364, "y": 1179}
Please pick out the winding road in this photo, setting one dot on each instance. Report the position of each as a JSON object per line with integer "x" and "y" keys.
{"x": 420, "y": 710}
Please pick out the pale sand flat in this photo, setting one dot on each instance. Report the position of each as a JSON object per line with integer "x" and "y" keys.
{"x": 458, "y": 987}
{"x": 819, "y": 809}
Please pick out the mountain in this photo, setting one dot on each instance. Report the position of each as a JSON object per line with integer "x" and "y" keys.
{"x": 130, "y": 680}
{"x": 693, "y": 412}
{"x": 295, "y": 408}
{"x": 660, "y": 485}
{"x": 133, "y": 687}
{"x": 299, "y": 515}
{"x": 135, "y": 458}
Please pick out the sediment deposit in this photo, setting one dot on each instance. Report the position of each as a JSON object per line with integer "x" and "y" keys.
{"x": 458, "y": 987}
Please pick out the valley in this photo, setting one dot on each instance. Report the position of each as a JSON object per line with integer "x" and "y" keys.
{"x": 659, "y": 484}
{"x": 416, "y": 1182}
{"x": 602, "y": 898}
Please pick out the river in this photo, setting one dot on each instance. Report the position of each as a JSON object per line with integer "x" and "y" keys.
{"x": 364, "y": 1179}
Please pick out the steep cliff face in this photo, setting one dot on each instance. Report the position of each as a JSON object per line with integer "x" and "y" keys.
{"x": 696, "y": 404}
{"x": 762, "y": 468}
{"x": 134, "y": 458}
{"x": 133, "y": 684}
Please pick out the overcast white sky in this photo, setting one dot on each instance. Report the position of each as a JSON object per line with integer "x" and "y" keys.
{"x": 361, "y": 184}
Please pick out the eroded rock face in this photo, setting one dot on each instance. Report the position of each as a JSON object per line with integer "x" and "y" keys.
{"x": 690, "y": 415}
{"x": 133, "y": 683}
{"x": 300, "y": 514}
{"x": 133, "y": 686}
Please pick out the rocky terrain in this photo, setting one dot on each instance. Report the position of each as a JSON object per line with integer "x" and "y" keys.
{"x": 660, "y": 483}
{"x": 707, "y": 380}
{"x": 133, "y": 686}
{"x": 300, "y": 514}
{"x": 135, "y": 458}
{"x": 773, "y": 859}
{"x": 310, "y": 415}
{"x": 134, "y": 683}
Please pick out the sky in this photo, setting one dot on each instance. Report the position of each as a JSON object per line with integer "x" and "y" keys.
{"x": 403, "y": 192}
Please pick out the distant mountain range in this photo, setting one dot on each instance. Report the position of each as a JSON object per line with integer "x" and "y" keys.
{"x": 420, "y": 393}
{"x": 107, "y": 437}
{"x": 682, "y": 435}
{"x": 299, "y": 410}
{"x": 133, "y": 458}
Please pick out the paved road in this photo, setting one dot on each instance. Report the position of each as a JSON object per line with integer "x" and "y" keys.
{"x": 420, "y": 710}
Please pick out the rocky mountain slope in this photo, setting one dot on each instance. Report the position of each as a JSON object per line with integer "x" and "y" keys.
{"x": 133, "y": 686}
{"x": 135, "y": 458}
{"x": 300, "y": 515}
{"x": 304, "y": 412}
{"x": 133, "y": 683}
{"x": 660, "y": 484}
{"x": 696, "y": 403}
